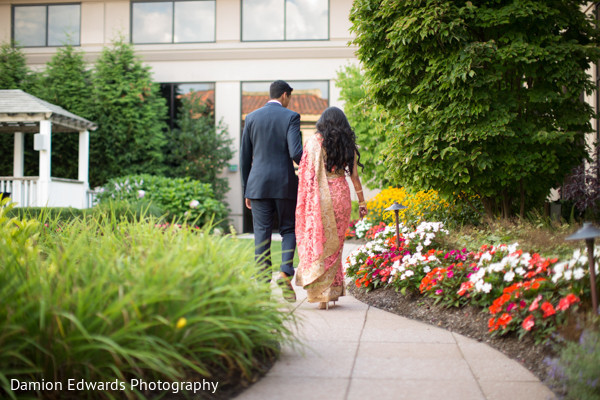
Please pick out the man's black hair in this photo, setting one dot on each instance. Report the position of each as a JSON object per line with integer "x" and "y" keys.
{"x": 278, "y": 88}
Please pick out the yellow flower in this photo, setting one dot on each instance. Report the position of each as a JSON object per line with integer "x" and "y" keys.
{"x": 182, "y": 322}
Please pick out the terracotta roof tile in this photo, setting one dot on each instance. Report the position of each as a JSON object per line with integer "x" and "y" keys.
{"x": 301, "y": 103}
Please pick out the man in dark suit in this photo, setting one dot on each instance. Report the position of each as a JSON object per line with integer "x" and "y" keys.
{"x": 270, "y": 142}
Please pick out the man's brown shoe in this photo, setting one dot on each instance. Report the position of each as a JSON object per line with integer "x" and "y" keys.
{"x": 285, "y": 283}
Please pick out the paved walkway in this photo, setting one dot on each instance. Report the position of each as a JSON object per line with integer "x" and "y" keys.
{"x": 356, "y": 352}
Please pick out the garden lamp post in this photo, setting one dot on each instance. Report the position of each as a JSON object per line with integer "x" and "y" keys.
{"x": 589, "y": 232}
{"x": 396, "y": 208}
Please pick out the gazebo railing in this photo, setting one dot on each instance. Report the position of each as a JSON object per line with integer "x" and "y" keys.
{"x": 22, "y": 190}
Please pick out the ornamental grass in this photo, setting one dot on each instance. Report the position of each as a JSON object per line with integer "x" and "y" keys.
{"x": 103, "y": 300}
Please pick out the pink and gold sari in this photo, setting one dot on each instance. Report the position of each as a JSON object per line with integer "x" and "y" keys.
{"x": 322, "y": 217}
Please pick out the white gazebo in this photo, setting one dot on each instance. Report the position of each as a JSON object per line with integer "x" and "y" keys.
{"x": 22, "y": 113}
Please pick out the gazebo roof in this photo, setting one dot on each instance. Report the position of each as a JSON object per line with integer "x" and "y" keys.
{"x": 22, "y": 112}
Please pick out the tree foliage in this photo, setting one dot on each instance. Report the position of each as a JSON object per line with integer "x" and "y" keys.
{"x": 198, "y": 148}
{"x": 66, "y": 82}
{"x": 130, "y": 114}
{"x": 369, "y": 122}
{"x": 14, "y": 74}
{"x": 485, "y": 94}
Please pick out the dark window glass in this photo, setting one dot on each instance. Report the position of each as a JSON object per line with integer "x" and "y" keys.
{"x": 173, "y": 92}
{"x": 285, "y": 20}
{"x": 47, "y": 25}
{"x": 173, "y": 22}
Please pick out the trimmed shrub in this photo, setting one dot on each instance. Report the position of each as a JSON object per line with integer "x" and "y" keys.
{"x": 182, "y": 199}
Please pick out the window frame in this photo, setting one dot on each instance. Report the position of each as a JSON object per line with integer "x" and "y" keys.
{"x": 46, "y": 5}
{"x": 284, "y": 26}
{"x": 132, "y": 2}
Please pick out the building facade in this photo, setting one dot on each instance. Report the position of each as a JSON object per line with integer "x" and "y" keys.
{"x": 229, "y": 49}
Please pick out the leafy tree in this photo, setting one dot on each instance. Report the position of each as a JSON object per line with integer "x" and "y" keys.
{"x": 485, "y": 94}
{"x": 369, "y": 122}
{"x": 66, "y": 82}
{"x": 199, "y": 149}
{"x": 130, "y": 114}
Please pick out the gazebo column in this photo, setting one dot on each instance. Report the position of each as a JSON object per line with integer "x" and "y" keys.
{"x": 43, "y": 143}
{"x": 18, "y": 167}
{"x": 83, "y": 166}
{"x": 19, "y": 155}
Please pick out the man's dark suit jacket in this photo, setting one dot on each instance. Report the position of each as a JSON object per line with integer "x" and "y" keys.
{"x": 270, "y": 141}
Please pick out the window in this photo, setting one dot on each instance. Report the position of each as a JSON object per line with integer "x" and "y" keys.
{"x": 173, "y": 21}
{"x": 285, "y": 20}
{"x": 172, "y": 92}
{"x": 47, "y": 25}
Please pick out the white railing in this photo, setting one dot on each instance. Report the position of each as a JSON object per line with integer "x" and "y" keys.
{"x": 92, "y": 198}
{"x": 21, "y": 190}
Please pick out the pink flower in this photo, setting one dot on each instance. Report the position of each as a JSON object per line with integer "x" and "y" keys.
{"x": 439, "y": 291}
{"x": 535, "y": 304}
{"x": 522, "y": 304}
{"x": 528, "y": 323}
{"x": 510, "y": 307}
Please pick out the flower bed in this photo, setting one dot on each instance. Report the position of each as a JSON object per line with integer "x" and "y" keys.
{"x": 523, "y": 293}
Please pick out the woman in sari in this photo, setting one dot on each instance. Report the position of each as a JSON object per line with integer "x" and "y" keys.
{"x": 324, "y": 205}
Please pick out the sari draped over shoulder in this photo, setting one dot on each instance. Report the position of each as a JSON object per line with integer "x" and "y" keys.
{"x": 322, "y": 217}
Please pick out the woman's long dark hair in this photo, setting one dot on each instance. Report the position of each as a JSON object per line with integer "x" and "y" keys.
{"x": 339, "y": 140}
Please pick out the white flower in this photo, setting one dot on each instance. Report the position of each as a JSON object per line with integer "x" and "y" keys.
{"x": 194, "y": 203}
{"x": 141, "y": 194}
{"x": 509, "y": 276}
{"x": 485, "y": 257}
{"x": 426, "y": 269}
{"x": 568, "y": 274}
{"x": 578, "y": 273}
{"x": 520, "y": 270}
{"x": 486, "y": 287}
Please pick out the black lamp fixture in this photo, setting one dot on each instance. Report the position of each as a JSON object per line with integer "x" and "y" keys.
{"x": 588, "y": 233}
{"x": 396, "y": 208}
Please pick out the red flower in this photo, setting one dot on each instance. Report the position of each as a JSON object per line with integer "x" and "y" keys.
{"x": 464, "y": 287}
{"x": 566, "y": 302}
{"x": 491, "y": 324}
{"x": 548, "y": 309}
{"x": 504, "y": 320}
{"x": 528, "y": 323}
